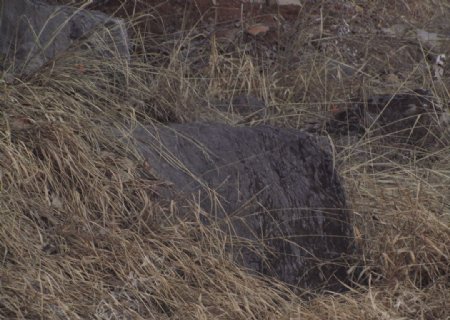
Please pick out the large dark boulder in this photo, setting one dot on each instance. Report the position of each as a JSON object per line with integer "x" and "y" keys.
{"x": 275, "y": 191}
{"x": 33, "y": 32}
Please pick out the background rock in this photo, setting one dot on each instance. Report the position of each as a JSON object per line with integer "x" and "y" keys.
{"x": 417, "y": 118}
{"x": 33, "y": 32}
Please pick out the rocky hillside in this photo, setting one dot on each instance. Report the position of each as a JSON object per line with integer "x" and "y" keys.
{"x": 224, "y": 159}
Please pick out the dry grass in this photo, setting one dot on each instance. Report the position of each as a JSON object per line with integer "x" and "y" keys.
{"x": 84, "y": 236}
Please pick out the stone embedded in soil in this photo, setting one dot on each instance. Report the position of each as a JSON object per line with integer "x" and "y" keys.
{"x": 276, "y": 190}
{"x": 33, "y": 33}
{"x": 417, "y": 118}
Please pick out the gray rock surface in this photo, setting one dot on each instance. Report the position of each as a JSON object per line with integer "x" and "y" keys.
{"x": 33, "y": 33}
{"x": 276, "y": 193}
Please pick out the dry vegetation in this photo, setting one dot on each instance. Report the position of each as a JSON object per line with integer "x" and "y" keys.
{"x": 83, "y": 235}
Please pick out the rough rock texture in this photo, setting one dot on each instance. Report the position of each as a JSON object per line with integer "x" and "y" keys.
{"x": 416, "y": 118}
{"x": 33, "y": 32}
{"x": 276, "y": 191}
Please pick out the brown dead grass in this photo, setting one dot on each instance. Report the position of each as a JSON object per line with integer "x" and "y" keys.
{"x": 83, "y": 235}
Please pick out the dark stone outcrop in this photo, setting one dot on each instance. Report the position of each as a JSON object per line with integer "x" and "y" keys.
{"x": 276, "y": 192}
{"x": 33, "y": 33}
